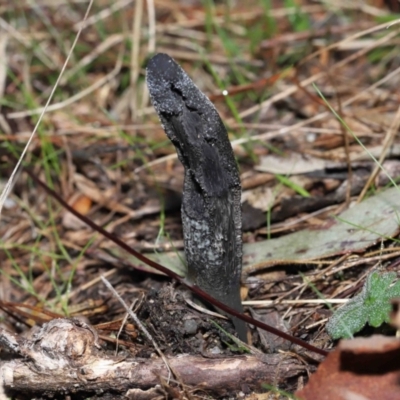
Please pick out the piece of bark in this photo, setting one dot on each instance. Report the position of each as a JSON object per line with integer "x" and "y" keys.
{"x": 63, "y": 357}
{"x": 211, "y": 211}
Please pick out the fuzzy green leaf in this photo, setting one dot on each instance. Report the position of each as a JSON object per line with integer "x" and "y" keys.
{"x": 348, "y": 319}
{"x": 371, "y": 305}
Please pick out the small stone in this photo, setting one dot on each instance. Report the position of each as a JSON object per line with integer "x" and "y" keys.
{"x": 190, "y": 326}
{"x": 215, "y": 350}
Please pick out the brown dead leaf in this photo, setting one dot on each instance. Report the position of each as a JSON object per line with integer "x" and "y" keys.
{"x": 363, "y": 368}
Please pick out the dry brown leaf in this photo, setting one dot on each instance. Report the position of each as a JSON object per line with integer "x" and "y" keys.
{"x": 363, "y": 368}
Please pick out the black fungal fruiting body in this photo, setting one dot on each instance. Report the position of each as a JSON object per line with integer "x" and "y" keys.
{"x": 211, "y": 211}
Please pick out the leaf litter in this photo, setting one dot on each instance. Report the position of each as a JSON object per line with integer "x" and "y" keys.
{"x": 118, "y": 167}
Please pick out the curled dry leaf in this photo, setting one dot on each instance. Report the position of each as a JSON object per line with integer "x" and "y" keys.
{"x": 363, "y": 368}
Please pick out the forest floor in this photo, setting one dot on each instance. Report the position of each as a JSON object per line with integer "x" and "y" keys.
{"x": 308, "y": 91}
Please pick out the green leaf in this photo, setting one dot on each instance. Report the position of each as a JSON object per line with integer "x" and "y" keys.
{"x": 394, "y": 290}
{"x": 371, "y": 305}
{"x": 348, "y": 319}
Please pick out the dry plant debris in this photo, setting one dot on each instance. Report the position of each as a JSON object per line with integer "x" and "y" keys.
{"x": 362, "y": 368}
{"x": 100, "y": 146}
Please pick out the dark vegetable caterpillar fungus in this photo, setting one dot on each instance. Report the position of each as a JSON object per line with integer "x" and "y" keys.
{"x": 211, "y": 211}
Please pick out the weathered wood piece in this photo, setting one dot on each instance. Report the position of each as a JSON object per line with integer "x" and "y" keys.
{"x": 63, "y": 358}
{"x": 211, "y": 211}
